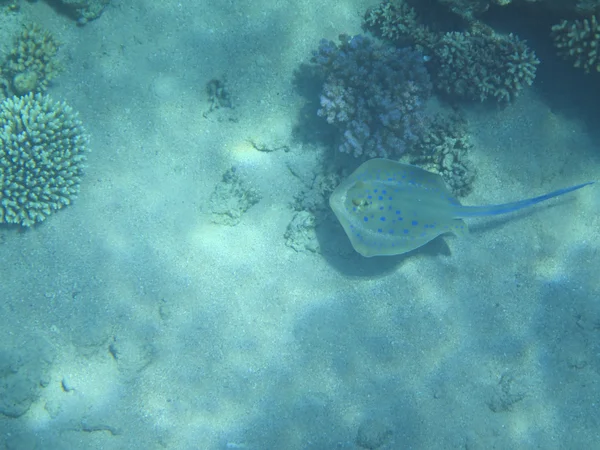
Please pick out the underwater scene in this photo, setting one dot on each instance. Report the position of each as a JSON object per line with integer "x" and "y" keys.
{"x": 267, "y": 225}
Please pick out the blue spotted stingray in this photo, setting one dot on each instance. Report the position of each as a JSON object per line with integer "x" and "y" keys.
{"x": 390, "y": 208}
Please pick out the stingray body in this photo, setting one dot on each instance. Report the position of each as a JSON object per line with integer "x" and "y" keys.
{"x": 390, "y": 208}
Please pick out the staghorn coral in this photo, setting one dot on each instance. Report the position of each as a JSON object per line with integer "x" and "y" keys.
{"x": 374, "y": 94}
{"x": 579, "y": 41}
{"x": 42, "y": 149}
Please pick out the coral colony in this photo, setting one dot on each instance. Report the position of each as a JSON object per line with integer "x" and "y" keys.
{"x": 374, "y": 93}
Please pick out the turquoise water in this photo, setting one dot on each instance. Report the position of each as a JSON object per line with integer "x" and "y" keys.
{"x": 166, "y": 308}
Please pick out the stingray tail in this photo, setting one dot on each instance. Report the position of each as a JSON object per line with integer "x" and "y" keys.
{"x": 493, "y": 210}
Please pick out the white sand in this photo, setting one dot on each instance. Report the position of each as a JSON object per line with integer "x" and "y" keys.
{"x": 169, "y": 331}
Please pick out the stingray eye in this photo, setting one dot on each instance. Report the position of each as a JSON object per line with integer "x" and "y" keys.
{"x": 359, "y": 202}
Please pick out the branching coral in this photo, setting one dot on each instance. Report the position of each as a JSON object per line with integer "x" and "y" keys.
{"x": 31, "y": 63}
{"x": 373, "y": 93}
{"x": 579, "y": 41}
{"x": 42, "y": 149}
{"x": 481, "y": 66}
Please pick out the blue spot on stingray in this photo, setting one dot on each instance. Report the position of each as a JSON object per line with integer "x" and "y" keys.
{"x": 375, "y": 191}
{"x": 382, "y": 218}
{"x": 406, "y": 231}
{"x": 384, "y": 192}
{"x": 369, "y": 197}
{"x": 415, "y": 223}
{"x": 397, "y": 212}
{"x": 366, "y": 219}
{"x": 380, "y": 197}
{"x": 381, "y": 208}
{"x": 379, "y": 230}
{"x": 390, "y": 198}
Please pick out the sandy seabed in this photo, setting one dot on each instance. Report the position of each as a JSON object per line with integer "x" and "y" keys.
{"x": 141, "y": 323}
